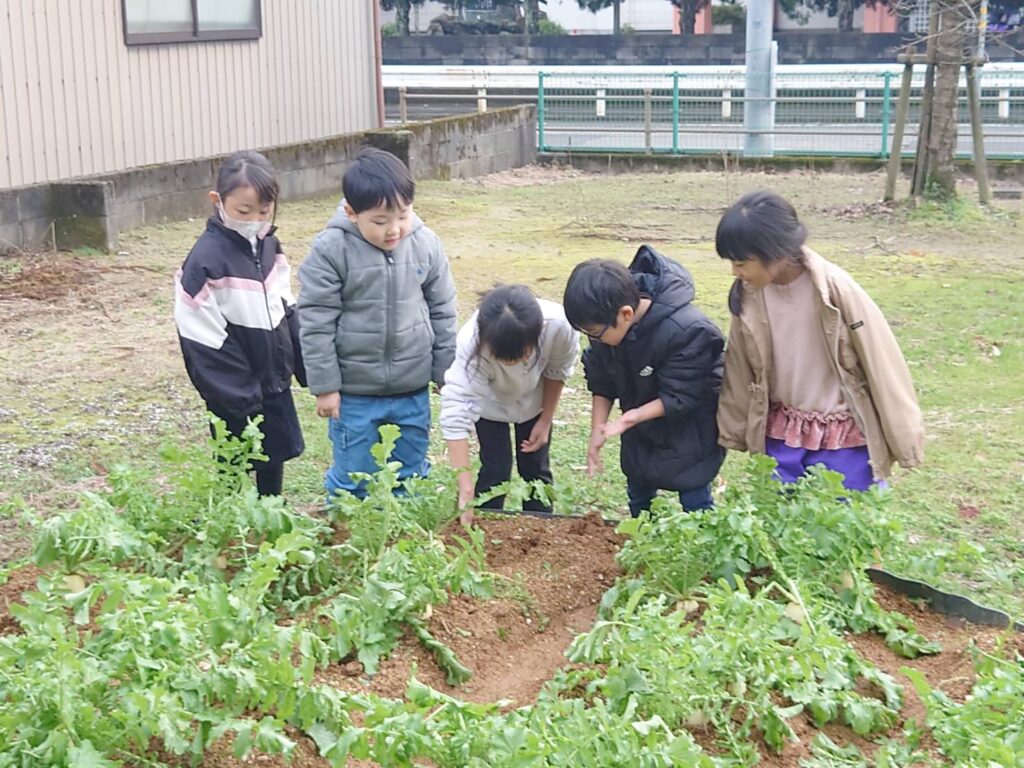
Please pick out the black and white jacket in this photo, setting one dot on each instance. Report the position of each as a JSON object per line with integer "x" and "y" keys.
{"x": 236, "y": 320}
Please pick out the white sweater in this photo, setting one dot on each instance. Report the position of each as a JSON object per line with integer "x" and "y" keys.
{"x": 480, "y": 387}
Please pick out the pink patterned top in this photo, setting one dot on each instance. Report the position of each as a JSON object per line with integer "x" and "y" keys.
{"x": 808, "y": 409}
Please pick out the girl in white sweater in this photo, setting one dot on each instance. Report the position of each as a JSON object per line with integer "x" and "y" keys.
{"x": 511, "y": 362}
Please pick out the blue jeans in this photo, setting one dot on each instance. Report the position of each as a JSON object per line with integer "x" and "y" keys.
{"x": 355, "y": 433}
{"x": 640, "y": 498}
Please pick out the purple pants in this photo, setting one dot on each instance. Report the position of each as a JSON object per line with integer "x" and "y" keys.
{"x": 851, "y": 463}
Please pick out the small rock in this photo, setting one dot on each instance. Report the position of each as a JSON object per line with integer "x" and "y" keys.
{"x": 352, "y": 669}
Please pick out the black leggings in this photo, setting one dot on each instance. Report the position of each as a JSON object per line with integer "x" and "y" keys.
{"x": 496, "y": 461}
{"x": 269, "y": 479}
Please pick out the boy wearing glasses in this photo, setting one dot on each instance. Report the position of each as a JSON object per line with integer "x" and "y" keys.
{"x": 661, "y": 358}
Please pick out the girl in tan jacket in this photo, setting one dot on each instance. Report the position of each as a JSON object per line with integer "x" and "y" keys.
{"x": 813, "y": 373}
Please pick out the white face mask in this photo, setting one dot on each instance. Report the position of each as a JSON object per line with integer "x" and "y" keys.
{"x": 250, "y": 230}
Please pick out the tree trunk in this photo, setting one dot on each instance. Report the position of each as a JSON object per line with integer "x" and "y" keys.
{"x": 402, "y": 16}
{"x": 617, "y": 17}
{"x": 941, "y": 148}
{"x": 687, "y": 16}
{"x": 845, "y": 13}
{"x": 531, "y": 14}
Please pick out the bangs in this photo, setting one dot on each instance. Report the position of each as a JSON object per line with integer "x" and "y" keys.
{"x": 761, "y": 225}
{"x": 375, "y": 179}
{"x": 737, "y": 238}
{"x": 248, "y": 169}
{"x": 509, "y": 348}
{"x": 263, "y": 181}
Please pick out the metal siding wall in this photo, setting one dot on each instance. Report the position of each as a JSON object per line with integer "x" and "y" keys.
{"x": 77, "y": 101}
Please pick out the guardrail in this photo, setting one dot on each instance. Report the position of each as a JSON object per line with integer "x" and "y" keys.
{"x": 819, "y": 109}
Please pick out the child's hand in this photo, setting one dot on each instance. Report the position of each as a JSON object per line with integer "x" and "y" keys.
{"x": 620, "y": 425}
{"x": 466, "y": 494}
{"x": 466, "y": 490}
{"x": 594, "y": 464}
{"x": 328, "y": 405}
{"x": 539, "y": 436}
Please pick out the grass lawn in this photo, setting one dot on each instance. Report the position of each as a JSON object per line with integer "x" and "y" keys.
{"x": 90, "y": 370}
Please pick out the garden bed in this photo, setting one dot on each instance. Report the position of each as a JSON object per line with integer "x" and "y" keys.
{"x": 556, "y": 572}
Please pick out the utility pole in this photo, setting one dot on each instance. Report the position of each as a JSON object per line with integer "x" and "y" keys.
{"x": 758, "y": 107}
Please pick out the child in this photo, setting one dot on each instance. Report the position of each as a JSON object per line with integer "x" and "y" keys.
{"x": 236, "y": 315}
{"x": 378, "y": 320}
{"x": 813, "y": 374}
{"x": 511, "y": 361}
{"x": 661, "y": 358}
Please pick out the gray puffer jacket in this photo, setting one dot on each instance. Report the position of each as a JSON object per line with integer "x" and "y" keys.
{"x": 375, "y": 322}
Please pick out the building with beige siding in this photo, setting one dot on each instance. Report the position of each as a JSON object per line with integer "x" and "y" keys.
{"x": 92, "y": 87}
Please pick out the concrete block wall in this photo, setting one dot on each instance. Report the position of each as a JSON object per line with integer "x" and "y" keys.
{"x": 795, "y": 47}
{"x": 91, "y": 212}
{"x": 25, "y": 220}
{"x": 473, "y": 145}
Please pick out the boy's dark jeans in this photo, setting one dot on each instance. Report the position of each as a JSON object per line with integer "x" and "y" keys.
{"x": 496, "y": 461}
{"x": 640, "y": 498}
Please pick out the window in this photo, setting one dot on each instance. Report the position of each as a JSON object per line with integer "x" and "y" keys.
{"x": 917, "y": 16}
{"x": 188, "y": 21}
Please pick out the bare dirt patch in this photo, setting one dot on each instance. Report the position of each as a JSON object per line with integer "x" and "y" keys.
{"x": 18, "y": 582}
{"x": 44, "y": 277}
{"x": 527, "y": 176}
{"x": 554, "y": 574}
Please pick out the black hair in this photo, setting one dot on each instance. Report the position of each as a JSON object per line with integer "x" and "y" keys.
{"x": 509, "y": 322}
{"x": 248, "y": 169}
{"x": 377, "y": 178}
{"x": 761, "y": 225}
{"x": 597, "y": 289}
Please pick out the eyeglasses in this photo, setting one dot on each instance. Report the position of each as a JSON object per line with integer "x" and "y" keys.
{"x": 597, "y": 336}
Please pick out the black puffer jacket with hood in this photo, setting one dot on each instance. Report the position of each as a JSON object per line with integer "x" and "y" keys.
{"x": 674, "y": 353}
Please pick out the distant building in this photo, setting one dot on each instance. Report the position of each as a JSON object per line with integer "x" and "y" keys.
{"x": 662, "y": 16}
{"x": 641, "y": 15}
{"x": 867, "y": 18}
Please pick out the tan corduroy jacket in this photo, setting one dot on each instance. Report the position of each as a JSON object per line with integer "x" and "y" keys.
{"x": 873, "y": 375}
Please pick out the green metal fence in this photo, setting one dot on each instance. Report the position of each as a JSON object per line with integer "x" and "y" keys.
{"x": 680, "y": 113}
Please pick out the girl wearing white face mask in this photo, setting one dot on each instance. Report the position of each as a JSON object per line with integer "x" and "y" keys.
{"x": 236, "y": 317}
{"x": 511, "y": 362}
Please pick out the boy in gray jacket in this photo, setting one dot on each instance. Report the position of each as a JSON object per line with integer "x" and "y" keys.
{"x": 377, "y": 311}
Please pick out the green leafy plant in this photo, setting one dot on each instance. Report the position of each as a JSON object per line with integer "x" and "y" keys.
{"x": 749, "y": 668}
{"x": 549, "y": 27}
{"x": 813, "y": 539}
{"x": 203, "y": 612}
{"x": 986, "y": 728}
{"x": 729, "y": 13}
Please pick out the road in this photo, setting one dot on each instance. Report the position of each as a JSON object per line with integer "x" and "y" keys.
{"x": 807, "y": 138}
